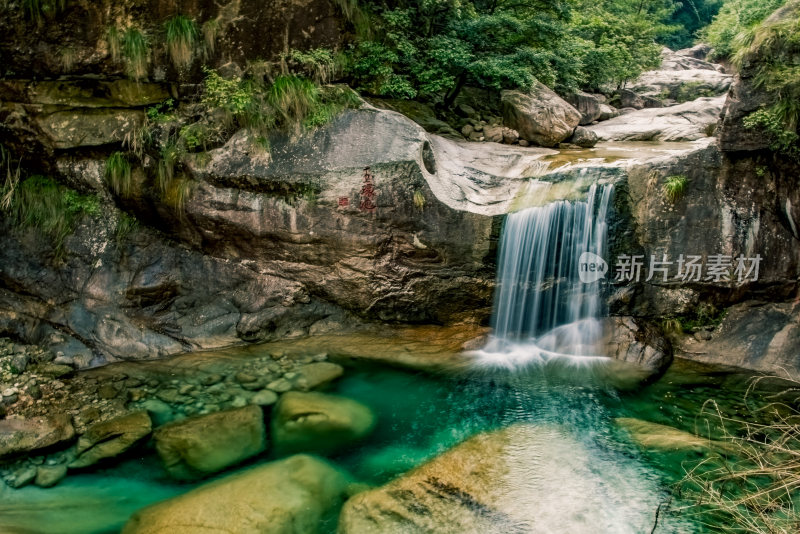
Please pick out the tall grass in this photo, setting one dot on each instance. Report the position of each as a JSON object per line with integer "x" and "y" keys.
{"x": 182, "y": 37}
{"x": 675, "y": 188}
{"x": 41, "y": 203}
{"x": 67, "y": 58}
{"x": 118, "y": 174}
{"x": 38, "y": 10}
{"x": 114, "y": 41}
{"x": 135, "y": 50}
{"x": 755, "y": 487}
{"x": 211, "y": 30}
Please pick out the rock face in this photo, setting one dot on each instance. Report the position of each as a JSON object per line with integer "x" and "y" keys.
{"x": 685, "y": 122}
{"x": 203, "y": 445}
{"x": 26, "y": 435}
{"x": 754, "y": 335}
{"x": 318, "y": 422}
{"x": 540, "y": 116}
{"x": 636, "y": 342}
{"x": 290, "y": 496}
{"x": 681, "y": 78}
{"x": 111, "y": 438}
{"x": 588, "y": 105}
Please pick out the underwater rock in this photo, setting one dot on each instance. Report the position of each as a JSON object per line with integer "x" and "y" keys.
{"x": 289, "y": 496}
{"x": 111, "y": 438}
{"x": 200, "y": 446}
{"x": 318, "y": 374}
{"x": 662, "y": 437}
{"x": 48, "y": 476}
{"x": 26, "y": 435}
{"x": 540, "y": 115}
{"x": 318, "y": 422}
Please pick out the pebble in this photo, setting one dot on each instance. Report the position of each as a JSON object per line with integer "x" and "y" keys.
{"x": 281, "y": 385}
{"x": 264, "y": 397}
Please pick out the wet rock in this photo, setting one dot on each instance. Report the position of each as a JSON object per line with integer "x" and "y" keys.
{"x": 281, "y": 385}
{"x": 316, "y": 375}
{"x": 493, "y": 134}
{"x": 666, "y": 438}
{"x": 244, "y": 378}
{"x": 290, "y": 496}
{"x": 583, "y": 137}
{"x": 22, "y": 476}
{"x": 638, "y": 342}
{"x": 540, "y": 116}
{"x": 200, "y": 446}
{"x": 19, "y": 436}
{"x": 318, "y": 422}
{"x": 266, "y": 397}
{"x": 210, "y": 380}
{"x": 170, "y": 396}
{"x": 107, "y": 391}
{"x": 111, "y": 438}
{"x": 48, "y": 476}
{"x": 54, "y": 370}
{"x": 95, "y": 127}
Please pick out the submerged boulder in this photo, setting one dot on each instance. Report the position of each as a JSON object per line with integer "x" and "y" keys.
{"x": 111, "y": 438}
{"x": 19, "y": 436}
{"x": 289, "y": 496}
{"x": 318, "y": 422}
{"x": 200, "y": 446}
{"x": 648, "y": 435}
{"x": 540, "y": 115}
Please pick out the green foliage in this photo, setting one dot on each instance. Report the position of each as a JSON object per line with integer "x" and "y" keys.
{"x": 675, "y": 188}
{"x": 770, "y": 52}
{"x": 161, "y": 112}
{"x": 126, "y": 225}
{"x": 320, "y": 64}
{"x": 135, "y": 50}
{"x": 118, "y": 174}
{"x": 429, "y": 50}
{"x": 194, "y": 136}
{"x": 38, "y": 10}
{"x": 41, "y": 203}
{"x": 689, "y": 19}
{"x": 735, "y": 19}
{"x": 182, "y": 37}
{"x": 704, "y": 316}
{"x": 290, "y": 103}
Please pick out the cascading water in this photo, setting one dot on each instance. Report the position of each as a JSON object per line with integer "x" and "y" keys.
{"x": 542, "y": 308}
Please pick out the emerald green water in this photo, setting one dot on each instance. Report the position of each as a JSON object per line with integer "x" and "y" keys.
{"x": 589, "y": 472}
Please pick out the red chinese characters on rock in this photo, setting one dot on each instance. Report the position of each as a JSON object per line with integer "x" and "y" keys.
{"x": 368, "y": 193}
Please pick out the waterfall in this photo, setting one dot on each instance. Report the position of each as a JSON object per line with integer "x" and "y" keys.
{"x": 541, "y": 305}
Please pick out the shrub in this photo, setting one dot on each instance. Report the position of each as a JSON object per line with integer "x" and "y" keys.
{"x": 674, "y": 188}
{"x": 38, "y": 10}
{"x": 182, "y": 37}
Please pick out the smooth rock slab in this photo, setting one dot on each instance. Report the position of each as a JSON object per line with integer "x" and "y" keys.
{"x": 318, "y": 374}
{"x": 285, "y": 497}
{"x": 25, "y": 435}
{"x": 111, "y": 438}
{"x": 318, "y": 422}
{"x": 200, "y": 446}
{"x": 685, "y": 122}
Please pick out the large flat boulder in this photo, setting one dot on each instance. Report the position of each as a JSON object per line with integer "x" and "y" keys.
{"x": 588, "y": 105}
{"x": 18, "y": 436}
{"x": 289, "y": 496}
{"x": 685, "y": 122}
{"x": 539, "y": 115}
{"x": 318, "y": 422}
{"x": 203, "y": 445}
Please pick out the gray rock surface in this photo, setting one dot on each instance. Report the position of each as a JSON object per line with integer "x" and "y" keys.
{"x": 18, "y": 436}
{"x": 540, "y": 115}
{"x": 684, "y": 122}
